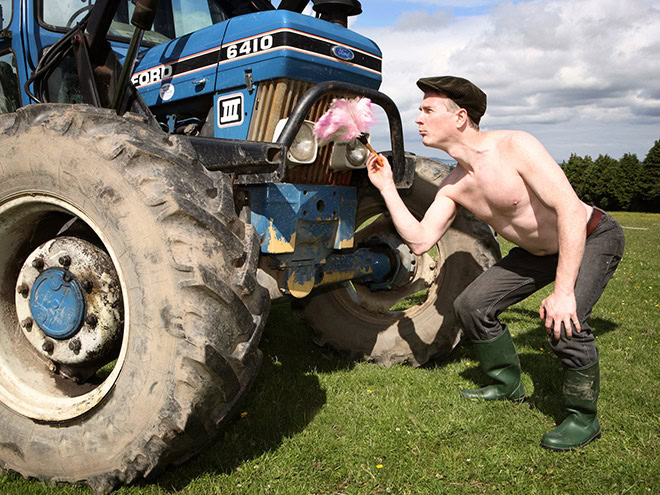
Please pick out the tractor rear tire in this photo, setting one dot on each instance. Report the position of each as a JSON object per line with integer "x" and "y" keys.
{"x": 192, "y": 309}
{"x": 374, "y": 326}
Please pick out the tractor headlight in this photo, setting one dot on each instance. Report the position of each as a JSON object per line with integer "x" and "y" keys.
{"x": 349, "y": 156}
{"x": 304, "y": 148}
{"x": 357, "y": 154}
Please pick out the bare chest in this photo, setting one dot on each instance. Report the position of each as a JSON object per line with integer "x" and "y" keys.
{"x": 494, "y": 195}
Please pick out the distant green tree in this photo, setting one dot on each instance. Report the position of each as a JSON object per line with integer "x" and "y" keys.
{"x": 650, "y": 179}
{"x": 577, "y": 169}
{"x": 589, "y": 180}
{"x": 604, "y": 184}
{"x": 626, "y": 184}
{"x": 626, "y": 180}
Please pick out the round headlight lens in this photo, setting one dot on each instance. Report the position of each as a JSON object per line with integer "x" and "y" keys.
{"x": 303, "y": 148}
{"x": 356, "y": 154}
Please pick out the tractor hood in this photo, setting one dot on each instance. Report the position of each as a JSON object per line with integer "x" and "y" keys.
{"x": 248, "y": 49}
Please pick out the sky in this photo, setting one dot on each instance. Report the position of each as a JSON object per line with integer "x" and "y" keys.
{"x": 583, "y": 76}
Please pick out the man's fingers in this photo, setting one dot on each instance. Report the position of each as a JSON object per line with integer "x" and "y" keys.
{"x": 568, "y": 328}
{"x": 548, "y": 325}
{"x": 557, "y": 329}
{"x": 547, "y": 320}
{"x": 576, "y": 322}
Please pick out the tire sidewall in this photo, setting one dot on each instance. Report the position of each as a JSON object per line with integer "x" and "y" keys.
{"x": 78, "y": 175}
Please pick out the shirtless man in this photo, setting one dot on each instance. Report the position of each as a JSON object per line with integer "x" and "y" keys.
{"x": 508, "y": 180}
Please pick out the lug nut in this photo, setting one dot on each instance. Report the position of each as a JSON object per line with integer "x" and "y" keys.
{"x": 65, "y": 260}
{"x": 27, "y": 323}
{"x": 75, "y": 345}
{"x": 38, "y": 263}
{"x": 23, "y": 289}
{"x": 91, "y": 320}
{"x": 88, "y": 285}
{"x": 48, "y": 346}
{"x": 67, "y": 277}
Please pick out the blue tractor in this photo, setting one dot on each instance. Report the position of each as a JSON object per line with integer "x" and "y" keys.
{"x": 160, "y": 185}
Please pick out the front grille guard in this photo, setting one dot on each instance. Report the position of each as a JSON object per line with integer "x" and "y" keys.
{"x": 256, "y": 162}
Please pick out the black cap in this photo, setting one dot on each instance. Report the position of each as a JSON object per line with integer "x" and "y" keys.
{"x": 463, "y": 92}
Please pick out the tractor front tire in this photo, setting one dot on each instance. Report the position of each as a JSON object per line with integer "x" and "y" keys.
{"x": 190, "y": 309}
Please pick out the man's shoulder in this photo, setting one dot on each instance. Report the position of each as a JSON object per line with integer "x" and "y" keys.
{"x": 515, "y": 146}
{"x": 509, "y": 137}
{"x": 451, "y": 184}
{"x": 453, "y": 177}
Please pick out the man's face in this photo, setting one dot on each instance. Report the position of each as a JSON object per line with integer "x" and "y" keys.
{"x": 434, "y": 121}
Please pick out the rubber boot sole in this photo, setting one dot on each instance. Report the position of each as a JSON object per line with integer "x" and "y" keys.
{"x": 557, "y": 449}
{"x": 474, "y": 394}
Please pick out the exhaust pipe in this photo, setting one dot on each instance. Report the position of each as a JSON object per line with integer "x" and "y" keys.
{"x": 337, "y": 11}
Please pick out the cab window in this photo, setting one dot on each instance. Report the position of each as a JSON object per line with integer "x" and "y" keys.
{"x": 174, "y": 18}
{"x": 5, "y": 13}
{"x": 9, "y": 94}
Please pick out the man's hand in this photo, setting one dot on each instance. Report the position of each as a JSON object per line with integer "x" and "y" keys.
{"x": 560, "y": 308}
{"x": 381, "y": 177}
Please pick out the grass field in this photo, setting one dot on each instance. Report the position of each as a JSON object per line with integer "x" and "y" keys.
{"x": 316, "y": 424}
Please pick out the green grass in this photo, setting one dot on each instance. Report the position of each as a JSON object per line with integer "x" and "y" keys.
{"x": 316, "y": 424}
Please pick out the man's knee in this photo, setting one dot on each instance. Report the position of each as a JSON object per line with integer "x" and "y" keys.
{"x": 462, "y": 306}
{"x": 476, "y": 314}
{"x": 578, "y": 351}
{"x": 468, "y": 308}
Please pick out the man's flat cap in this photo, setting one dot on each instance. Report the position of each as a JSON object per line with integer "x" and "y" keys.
{"x": 463, "y": 92}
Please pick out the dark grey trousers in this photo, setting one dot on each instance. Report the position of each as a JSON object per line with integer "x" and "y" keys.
{"x": 520, "y": 274}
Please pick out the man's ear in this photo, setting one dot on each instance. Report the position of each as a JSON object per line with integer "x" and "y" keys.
{"x": 461, "y": 117}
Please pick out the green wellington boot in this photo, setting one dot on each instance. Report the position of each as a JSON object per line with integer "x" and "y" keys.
{"x": 581, "y": 387}
{"x": 499, "y": 360}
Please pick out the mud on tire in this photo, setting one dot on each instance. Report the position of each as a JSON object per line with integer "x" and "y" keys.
{"x": 193, "y": 311}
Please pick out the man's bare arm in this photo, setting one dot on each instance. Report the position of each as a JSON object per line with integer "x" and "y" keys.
{"x": 420, "y": 236}
{"x": 544, "y": 176}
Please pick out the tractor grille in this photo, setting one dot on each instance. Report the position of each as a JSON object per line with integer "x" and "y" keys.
{"x": 276, "y": 99}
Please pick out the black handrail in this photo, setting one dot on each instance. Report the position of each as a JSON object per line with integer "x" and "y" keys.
{"x": 339, "y": 88}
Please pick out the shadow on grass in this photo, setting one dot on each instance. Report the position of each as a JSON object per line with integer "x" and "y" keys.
{"x": 287, "y": 394}
{"x": 281, "y": 403}
{"x": 543, "y": 367}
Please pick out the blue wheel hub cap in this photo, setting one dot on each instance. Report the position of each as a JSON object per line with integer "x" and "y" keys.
{"x": 57, "y": 303}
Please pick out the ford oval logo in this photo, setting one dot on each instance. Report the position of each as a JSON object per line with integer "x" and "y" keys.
{"x": 343, "y": 53}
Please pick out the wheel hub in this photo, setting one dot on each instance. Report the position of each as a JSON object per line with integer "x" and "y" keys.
{"x": 57, "y": 303}
{"x": 68, "y": 300}
{"x": 413, "y": 274}
{"x": 404, "y": 261}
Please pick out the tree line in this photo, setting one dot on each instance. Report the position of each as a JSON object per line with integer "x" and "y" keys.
{"x": 627, "y": 184}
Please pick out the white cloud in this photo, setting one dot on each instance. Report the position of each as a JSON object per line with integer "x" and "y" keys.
{"x": 560, "y": 69}
{"x": 422, "y": 20}
{"x": 452, "y": 3}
